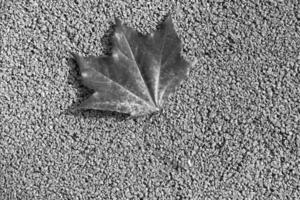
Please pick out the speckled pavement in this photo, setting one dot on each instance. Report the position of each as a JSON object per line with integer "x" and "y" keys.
{"x": 231, "y": 130}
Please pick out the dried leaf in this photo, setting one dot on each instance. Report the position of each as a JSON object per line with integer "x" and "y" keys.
{"x": 141, "y": 73}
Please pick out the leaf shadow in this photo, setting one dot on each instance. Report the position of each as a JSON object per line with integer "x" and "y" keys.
{"x": 83, "y": 92}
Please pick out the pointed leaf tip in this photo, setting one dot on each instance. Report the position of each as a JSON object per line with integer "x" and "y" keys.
{"x": 168, "y": 22}
{"x": 75, "y": 56}
{"x": 118, "y": 21}
{"x": 168, "y": 19}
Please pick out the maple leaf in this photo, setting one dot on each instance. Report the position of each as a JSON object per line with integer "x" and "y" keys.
{"x": 141, "y": 73}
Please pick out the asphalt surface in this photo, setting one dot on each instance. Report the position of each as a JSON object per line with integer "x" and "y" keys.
{"x": 231, "y": 130}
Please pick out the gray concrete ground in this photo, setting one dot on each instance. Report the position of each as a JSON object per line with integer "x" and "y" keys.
{"x": 231, "y": 130}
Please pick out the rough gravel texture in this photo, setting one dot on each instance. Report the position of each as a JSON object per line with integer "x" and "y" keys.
{"x": 231, "y": 130}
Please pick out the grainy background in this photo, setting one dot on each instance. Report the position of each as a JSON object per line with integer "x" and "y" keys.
{"x": 231, "y": 131}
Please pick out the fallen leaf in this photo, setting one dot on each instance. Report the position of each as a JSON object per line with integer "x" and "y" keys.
{"x": 141, "y": 73}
